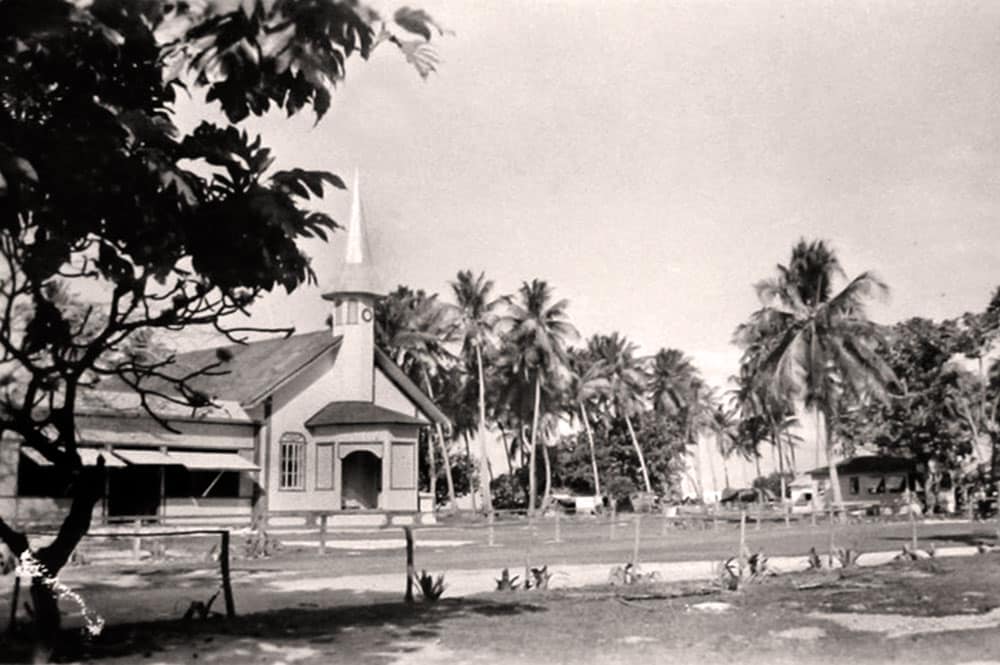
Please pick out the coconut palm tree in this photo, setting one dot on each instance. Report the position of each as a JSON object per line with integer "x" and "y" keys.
{"x": 626, "y": 385}
{"x": 416, "y": 329}
{"x": 677, "y": 391}
{"x": 587, "y": 383}
{"x": 537, "y": 331}
{"x": 819, "y": 345}
{"x": 477, "y": 318}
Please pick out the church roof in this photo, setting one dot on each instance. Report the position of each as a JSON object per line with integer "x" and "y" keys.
{"x": 252, "y": 372}
{"x": 358, "y": 274}
{"x": 410, "y": 389}
{"x": 359, "y": 413}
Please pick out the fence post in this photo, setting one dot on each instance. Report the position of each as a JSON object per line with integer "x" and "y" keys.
{"x": 489, "y": 521}
{"x": 635, "y": 545}
{"x": 409, "y": 564}
{"x": 322, "y": 534}
{"x": 558, "y": 533}
{"x": 913, "y": 521}
{"x": 528, "y": 551}
{"x": 12, "y": 624}
{"x": 666, "y": 522}
{"x": 137, "y": 541}
{"x": 743, "y": 536}
{"x": 227, "y": 587}
{"x": 757, "y": 513}
{"x": 611, "y": 529}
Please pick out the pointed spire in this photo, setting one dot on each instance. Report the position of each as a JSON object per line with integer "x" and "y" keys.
{"x": 358, "y": 275}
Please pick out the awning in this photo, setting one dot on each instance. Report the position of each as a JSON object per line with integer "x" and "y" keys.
{"x": 146, "y": 457}
{"x": 87, "y": 455}
{"x": 200, "y": 461}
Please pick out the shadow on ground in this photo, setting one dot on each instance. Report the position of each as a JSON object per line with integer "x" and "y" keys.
{"x": 401, "y": 624}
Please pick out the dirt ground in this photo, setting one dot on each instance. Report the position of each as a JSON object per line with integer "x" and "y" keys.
{"x": 944, "y": 611}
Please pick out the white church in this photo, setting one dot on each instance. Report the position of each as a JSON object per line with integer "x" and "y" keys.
{"x": 321, "y": 421}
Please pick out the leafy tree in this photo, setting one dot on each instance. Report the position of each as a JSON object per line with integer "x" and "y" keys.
{"x": 665, "y": 449}
{"x": 821, "y": 346}
{"x": 535, "y": 353}
{"x": 112, "y": 220}
{"x": 477, "y": 319}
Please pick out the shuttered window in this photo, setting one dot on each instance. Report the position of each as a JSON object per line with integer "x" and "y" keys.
{"x": 292, "y": 462}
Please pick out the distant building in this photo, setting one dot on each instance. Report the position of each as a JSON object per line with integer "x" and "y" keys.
{"x": 866, "y": 480}
{"x": 319, "y": 421}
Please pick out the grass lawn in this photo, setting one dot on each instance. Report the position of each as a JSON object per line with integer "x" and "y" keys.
{"x": 943, "y": 611}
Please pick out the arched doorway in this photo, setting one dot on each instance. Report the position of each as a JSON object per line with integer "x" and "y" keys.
{"x": 361, "y": 480}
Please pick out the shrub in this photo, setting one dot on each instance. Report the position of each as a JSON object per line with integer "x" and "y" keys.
{"x": 430, "y": 587}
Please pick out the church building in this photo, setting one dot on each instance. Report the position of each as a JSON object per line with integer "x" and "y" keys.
{"x": 320, "y": 421}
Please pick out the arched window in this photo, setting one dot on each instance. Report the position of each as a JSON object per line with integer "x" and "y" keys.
{"x": 292, "y": 462}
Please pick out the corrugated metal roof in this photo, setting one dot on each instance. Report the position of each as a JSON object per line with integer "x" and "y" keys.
{"x": 359, "y": 413}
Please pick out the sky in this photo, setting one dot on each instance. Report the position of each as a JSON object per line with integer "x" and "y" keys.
{"x": 653, "y": 160}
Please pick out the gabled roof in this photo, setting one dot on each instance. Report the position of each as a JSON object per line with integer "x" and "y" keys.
{"x": 252, "y": 371}
{"x": 869, "y": 464}
{"x": 359, "y": 413}
{"x": 410, "y": 389}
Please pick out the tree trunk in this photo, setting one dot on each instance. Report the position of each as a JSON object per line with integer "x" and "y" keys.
{"x": 838, "y": 497}
{"x": 468, "y": 457}
{"x": 508, "y": 451}
{"x": 776, "y": 438}
{"x": 711, "y": 472}
{"x": 432, "y": 470}
{"x": 445, "y": 457}
{"x": 89, "y": 488}
{"x": 547, "y": 494}
{"x": 446, "y": 460}
{"x": 484, "y": 484}
{"x": 532, "y": 484}
{"x": 638, "y": 451}
{"x": 593, "y": 454}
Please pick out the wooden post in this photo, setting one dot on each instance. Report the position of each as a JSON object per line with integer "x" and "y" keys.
{"x": 528, "y": 550}
{"x": 322, "y": 534}
{"x": 492, "y": 535}
{"x": 227, "y": 587}
{"x": 666, "y": 522}
{"x": 12, "y": 624}
{"x": 743, "y": 536}
{"x": 913, "y": 521}
{"x": 760, "y": 507}
{"x": 558, "y": 534}
{"x": 137, "y": 541}
{"x": 410, "y": 570}
{"x": 611, "y": 529}
{"x": 635, "y": 544}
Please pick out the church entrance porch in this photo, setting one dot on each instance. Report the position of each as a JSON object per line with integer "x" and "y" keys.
{"x": 361, "y": 480}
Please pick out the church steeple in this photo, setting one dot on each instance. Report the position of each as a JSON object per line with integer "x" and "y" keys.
{"x": 358, "y": 276}
{"x": 354, "y": 294}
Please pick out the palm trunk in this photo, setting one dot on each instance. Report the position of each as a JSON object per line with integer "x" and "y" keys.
{"x": 468, "y": 458}
{"x": 446, "y": 458}
{"x": 508, "y": 451}
{"x": 532, "y": 484}
{"x": 838, "y": 497}
{"x": 593, "y": 454}
{"x": 547, "y": 494}
{"x": 711, "y": 471}
{"x": 781, "y": 469}
{"x": 432, "y": 470}
{"x": 638, "y": 451}
{"x": 484, "y": 461}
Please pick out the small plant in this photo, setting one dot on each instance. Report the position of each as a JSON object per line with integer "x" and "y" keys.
{"x": 908, "y": 554}
{"x": 540, "y": 578}
{"x": 507, "y": 582}
{"x": 430, "y": 587}
{"x": 629, "y": 574}
{"x": 848, "y": 557}
{"x": 815, "y": 562}
{"x": 728, "y": 575}
{"x": 200, "y": 610}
